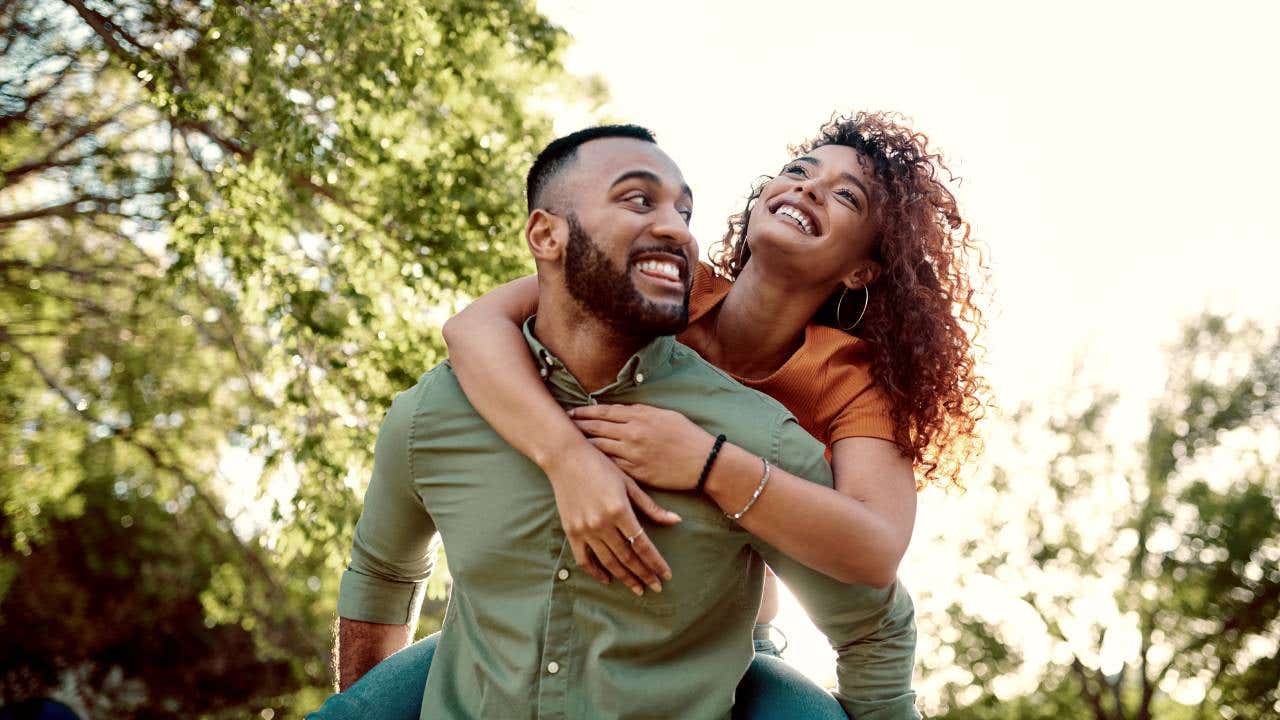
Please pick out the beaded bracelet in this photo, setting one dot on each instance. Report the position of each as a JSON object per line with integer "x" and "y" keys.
{"x": 711, "y": 459}
{"x": 764, "y": 480}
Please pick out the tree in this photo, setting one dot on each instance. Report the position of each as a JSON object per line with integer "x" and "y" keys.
{"x": 1153, "y": 574}
{"x": 227, "y": 231}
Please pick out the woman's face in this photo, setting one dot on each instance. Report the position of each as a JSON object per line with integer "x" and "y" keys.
{"x": 814, "y": 219}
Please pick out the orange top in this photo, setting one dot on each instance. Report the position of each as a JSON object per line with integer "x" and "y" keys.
{"x": 826, "y": 384}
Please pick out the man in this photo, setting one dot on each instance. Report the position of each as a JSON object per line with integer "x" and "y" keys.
{"x": 527, "y": 633}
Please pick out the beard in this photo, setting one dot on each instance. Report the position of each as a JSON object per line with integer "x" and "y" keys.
{"x": 609, "y": 294}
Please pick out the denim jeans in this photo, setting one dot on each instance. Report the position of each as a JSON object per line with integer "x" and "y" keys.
{"x": 771, "y": 690}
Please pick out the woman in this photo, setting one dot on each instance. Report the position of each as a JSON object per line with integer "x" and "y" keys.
{"x": 844, "y": 292}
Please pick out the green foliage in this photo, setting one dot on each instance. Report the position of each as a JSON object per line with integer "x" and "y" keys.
{"x": 1155, "y": 573}
{"x": 228, "y": 232}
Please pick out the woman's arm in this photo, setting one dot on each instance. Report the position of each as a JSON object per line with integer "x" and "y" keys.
{"x": 857, "y": 532}
{"x": 491, "y": 360}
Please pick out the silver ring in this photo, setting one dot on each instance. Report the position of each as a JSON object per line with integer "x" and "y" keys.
{"x": 632, "y": 540}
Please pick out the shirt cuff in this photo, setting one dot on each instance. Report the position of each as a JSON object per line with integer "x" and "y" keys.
{"x": 370, "y": 599}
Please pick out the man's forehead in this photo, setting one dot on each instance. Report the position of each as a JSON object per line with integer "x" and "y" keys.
{"x": 603, "y": 158}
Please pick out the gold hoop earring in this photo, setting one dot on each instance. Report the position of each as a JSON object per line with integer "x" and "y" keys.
{"x": 865, "y": 303}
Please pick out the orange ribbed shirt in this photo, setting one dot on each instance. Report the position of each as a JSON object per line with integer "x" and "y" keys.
{"x": 826, "y": 383}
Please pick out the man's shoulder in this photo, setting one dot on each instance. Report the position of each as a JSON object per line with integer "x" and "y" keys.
{"x": 437, "y": 393}
{"x": 688, "y": 365}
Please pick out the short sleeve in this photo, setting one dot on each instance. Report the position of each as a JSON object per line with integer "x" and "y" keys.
{"x": 865, "y": 415}
{"x": 392, "y": 554}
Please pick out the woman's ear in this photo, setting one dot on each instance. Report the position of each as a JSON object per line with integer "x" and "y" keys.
{"x": 546, "y": 235}
{"x": 863, "y": 275}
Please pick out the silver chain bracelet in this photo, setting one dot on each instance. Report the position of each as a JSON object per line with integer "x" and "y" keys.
{"x": 764, "y": 480}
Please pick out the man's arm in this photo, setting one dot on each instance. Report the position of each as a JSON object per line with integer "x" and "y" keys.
{"x": 391, "y": 555}
{"x": 361, "y": 645}
{"x": 871, "y": 629}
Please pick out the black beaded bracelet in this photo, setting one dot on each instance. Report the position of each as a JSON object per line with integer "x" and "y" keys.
{"x": 711, "y": 459}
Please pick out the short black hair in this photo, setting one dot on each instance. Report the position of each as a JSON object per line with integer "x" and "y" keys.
{"x": 559, "y": 154}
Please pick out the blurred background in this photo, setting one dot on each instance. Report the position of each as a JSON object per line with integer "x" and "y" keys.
{"x": 229, "y": 232}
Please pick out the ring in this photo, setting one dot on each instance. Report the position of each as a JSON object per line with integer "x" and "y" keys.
{"x": 632, "y": 540}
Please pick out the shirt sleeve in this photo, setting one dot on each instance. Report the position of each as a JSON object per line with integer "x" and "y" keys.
{"x": 865, "y": 415}
{"x": 871, "y": 629}
{"x": 392, "y": 555}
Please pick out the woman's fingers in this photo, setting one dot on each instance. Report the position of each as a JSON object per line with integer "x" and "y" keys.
{"x": 609, "y": 446}
{"x": 647, "y": 505}
{"x": 605, "y": 553}
{"x": 648, "y": 553}
{"x": 610, "y": 413}
{"x": 587, "y": 561}
{"x": 623, "y": 548}
{"x": 600, "y": 428}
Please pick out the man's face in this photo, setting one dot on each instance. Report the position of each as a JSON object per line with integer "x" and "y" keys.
{"x": 629, "y": 258}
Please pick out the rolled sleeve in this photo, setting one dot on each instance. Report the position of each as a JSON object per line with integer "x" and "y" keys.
{"x": 392, "y": 554}
{"x": 371, "y": 599}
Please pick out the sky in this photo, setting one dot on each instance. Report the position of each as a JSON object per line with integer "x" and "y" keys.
{"x": 1117, "y": 160}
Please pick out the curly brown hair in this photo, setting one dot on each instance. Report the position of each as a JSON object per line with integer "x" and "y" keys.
{"x": 922, "y": 320}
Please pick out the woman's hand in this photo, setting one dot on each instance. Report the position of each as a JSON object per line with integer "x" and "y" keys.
{"x": 659, "y": 448}
{"x": 595, "y": 502}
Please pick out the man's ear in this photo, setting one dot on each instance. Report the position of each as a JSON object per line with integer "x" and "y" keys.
{"x": 547, "y": 235}
{"x": 863, "y": 275}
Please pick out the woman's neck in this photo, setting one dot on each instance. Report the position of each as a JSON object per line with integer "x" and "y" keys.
{"x": 761, "y": 323}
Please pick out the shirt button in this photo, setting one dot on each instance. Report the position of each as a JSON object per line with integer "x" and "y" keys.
{"x": 639, "y": 378}
{"x": 563, "y": 574}
{"x": 553, "y": 667}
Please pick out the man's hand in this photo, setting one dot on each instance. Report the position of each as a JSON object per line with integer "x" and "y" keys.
{"x": 361, "y": 645}
{"x": 595, "y": 502}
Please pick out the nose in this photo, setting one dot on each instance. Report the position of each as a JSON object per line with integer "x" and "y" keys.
{"x": 809, "y": 188}
{"x": 669, "y": 226}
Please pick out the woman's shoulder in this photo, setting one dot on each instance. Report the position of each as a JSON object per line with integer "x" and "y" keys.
{"x": 841, "y": 388}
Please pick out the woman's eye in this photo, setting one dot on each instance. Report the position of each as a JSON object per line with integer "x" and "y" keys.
{"x": 796, "y": 169}
{"x": 853, "y": 199}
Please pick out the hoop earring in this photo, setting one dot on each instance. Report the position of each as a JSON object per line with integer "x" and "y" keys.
{"x": 865, "y": 303}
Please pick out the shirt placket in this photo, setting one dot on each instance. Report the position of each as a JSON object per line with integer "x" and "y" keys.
{"x": 558, "y": 661}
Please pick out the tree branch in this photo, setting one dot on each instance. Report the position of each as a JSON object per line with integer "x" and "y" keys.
{"x": 275, "y": 592}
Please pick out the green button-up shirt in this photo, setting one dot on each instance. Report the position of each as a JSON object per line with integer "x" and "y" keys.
{"x": 528, "y": 635}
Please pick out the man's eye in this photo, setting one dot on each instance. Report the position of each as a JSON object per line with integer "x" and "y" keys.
{"x": 640, "y": 200}
{"x": 687, "y": 215}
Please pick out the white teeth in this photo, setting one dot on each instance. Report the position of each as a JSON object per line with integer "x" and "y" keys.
{"x": 668, "y": 270}
{"x": 797, "y": 215}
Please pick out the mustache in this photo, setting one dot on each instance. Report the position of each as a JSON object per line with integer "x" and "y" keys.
{"x": 657, "y": 249}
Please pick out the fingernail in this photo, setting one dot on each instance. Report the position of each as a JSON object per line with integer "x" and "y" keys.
{"x": 666, "y": 576}
{"x": 656, "y": 586}
{"x": 637, "y": 590}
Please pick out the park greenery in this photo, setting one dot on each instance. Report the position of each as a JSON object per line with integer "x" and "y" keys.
{"x": 1129, "y": 581}
{"x": 228, "y": 235}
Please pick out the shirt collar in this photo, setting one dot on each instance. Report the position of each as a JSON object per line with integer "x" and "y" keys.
{"x": 648, "y": 363}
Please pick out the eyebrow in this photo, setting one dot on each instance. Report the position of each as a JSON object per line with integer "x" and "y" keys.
{"x": 846, "y": 174}
{"x": 650, "y": 176}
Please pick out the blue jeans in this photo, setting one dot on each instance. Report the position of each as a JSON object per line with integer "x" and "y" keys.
{"x": 771, "y": 690}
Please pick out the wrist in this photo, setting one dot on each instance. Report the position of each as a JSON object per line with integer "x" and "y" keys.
{"x": 556, "y": 448}
{"x": 733, "y": 477}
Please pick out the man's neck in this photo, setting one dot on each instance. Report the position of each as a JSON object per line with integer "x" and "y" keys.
{"x": 591, "y": 350}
